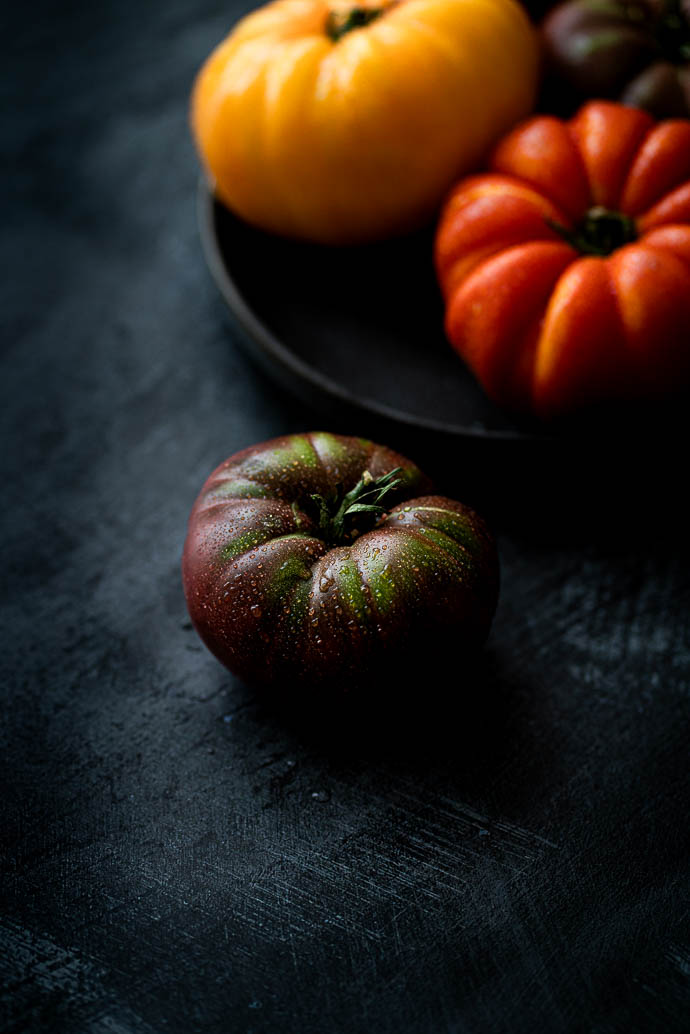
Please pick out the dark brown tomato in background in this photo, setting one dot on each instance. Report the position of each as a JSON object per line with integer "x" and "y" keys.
{"x": 634, "y": 51}
{"x": 318, "y": 559}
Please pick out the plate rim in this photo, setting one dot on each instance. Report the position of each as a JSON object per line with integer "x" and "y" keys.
{"x": 279, "y": 355}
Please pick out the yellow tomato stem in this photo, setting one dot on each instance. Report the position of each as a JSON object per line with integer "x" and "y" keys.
{"x": 339, "y": 23}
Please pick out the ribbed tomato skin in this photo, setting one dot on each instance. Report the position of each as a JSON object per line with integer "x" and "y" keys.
{"x": 355, "y": 139}
{"x": 278, "y": 605}
{"x": 545, "y": 328}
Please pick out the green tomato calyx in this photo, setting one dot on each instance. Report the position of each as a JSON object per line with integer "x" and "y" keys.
{"x": 342, "y": 516}
{"x": 600, "y": 232}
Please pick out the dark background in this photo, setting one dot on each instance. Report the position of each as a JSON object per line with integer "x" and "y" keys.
{"x": 176, "y": 857}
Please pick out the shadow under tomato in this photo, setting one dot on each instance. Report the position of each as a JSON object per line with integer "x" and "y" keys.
{"x": 626, "y": 491}
{"x": 432, "y": 710}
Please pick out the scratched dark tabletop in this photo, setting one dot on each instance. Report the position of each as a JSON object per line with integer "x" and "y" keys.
{"x": 176, "y": 855}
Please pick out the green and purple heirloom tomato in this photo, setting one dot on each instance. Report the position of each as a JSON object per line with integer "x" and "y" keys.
{"x": 634, "y": 51}
{"x": 320, "y": 558}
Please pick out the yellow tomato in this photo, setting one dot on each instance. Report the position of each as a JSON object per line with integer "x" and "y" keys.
{"x": 341, "y": 123}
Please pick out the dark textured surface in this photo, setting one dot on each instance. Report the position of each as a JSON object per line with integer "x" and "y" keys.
{"x": 176, "y": 857}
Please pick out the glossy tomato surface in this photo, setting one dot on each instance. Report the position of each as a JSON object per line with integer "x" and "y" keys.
{"x": 339, "y": 122}
{"x": 278, "y": 599}
{"x": 566, "y": 267}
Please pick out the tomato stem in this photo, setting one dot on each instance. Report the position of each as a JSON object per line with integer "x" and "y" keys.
{"x": 339, "y": 23}
{"x": 336, "y": 515}
{"x": 600, "y": 232}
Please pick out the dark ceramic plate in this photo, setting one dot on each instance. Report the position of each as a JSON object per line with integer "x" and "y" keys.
{"x": 358, "y": 334}
{"x": 357, "y": 331}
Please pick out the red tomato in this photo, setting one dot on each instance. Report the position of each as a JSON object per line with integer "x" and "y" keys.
{"x": 566, "y": 267}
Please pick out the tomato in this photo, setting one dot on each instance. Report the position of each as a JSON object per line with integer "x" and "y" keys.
{"x": 566, "y": 267}
{"x": 296, "y": 571}
{"x": 635, "y": 51}
{"x": 338, "y": 123}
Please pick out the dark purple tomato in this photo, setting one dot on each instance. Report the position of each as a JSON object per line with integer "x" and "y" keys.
{"x": 320, "y": 559}
{"x": 633, "y": 51}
